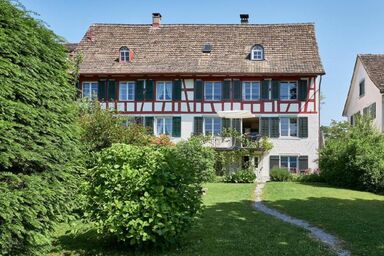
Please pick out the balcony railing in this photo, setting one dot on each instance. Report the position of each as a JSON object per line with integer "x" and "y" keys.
{"x": 233, "y": 143}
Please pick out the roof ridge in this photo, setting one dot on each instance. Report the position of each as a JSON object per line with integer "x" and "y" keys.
{"x": 206, "y": 24}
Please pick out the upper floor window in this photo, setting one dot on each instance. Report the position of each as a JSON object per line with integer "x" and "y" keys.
{"x": 288, "y": 127}
{"x": 124, "y": 54}
{"x": 164, "y": 90}
{"x": 127, "y": 91}
{"x": 212, "y": 126}
{"x": 212, "y": 90}
{"x": 90, "y": 90}
{"x": 257, "y": 52}
{"x": 251, "y": 90}
{"x": 362, "y": 88}
{"x": 164, "y": 125}
{"x": 288, "y": 91}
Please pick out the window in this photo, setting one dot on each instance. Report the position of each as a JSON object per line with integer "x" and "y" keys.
{"x": 257, "y": 53}
{"x": 288, "y": 91}
{"x": 124, "y": 54}
{"x": 212, "y": 90}
{"x": 288, "y": 127}
{"x": 212, "y": 126}
{"x": 251, "y": 90}
{"x": 164, "y": 90}
{"x": 289, "y": 162}
{"x": 90, "y": 90}
{"x": 164, "y": 126}
{"x": 362, "y": 88}
{"x": 127, "y": 91}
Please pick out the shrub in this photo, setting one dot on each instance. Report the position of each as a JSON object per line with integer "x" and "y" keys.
{"x": 280, "y": 174}
{"x": 313, "y": 177}
{"x": 353, "y": 156}
{"x": 38, "y": 133}
{"x": 145, "y": 194}
{"x": 241, "y": 176}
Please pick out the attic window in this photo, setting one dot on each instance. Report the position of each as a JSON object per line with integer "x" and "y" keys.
{"x": 124, "y": 54}
{"x": 207, "y": 48}
{"x": 257, "y": 52}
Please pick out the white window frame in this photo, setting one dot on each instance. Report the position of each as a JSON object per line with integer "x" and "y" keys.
{"x": 289, "y": 162}
{"x": 289, "y": 127}
{"x": 90, "y": 84}
{"x": 124, "y": 54}
{"x": 251, "y": 83}
{"x": 213, "y": 90}
{"x": 127, "y": 84}
{"x": 164, "y": 125}
{"x": 163, "y": 84}
{"x": 288, "y": 92}
{"x": 212, "y": 120}
{"x": 257, "y": 52}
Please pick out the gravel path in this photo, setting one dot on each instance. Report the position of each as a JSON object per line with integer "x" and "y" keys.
{"x": 331, "y": 241}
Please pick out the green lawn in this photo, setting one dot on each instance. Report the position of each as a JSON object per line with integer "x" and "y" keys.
{"x": 229, "y": 226}
{"x": 355, "y": 217}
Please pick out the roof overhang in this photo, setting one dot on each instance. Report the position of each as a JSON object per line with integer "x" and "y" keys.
{"x": 235, "y": 114}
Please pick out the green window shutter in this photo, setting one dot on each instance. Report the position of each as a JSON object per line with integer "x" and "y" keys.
{"x": 198, "y": 90}
{"x": 139, "y": 120}
{"x": 176, "y": 90}
{"x": 274, "y": 162}
{"x": 265, "y": 90}
{"x": 264, "y": 126}
{"x": 139, "y": 90}
{"x": 303, "y": 163}
{"x": 275, "y": 89}
{"x": 275, "y": 129}
{"x": 236, "y": 124}
{"x": 198, "y": 125}
{"x": 112, "y": 90}
{"x": 303, "y": 90}
{"x": 226, "y": 123}
{"x": 79, "y": 88}
{"x": 237, "y": 90}
{"x": 176, "y": 126}
{"x": 149, "y": 90}
{"x": 227, "y": 90}
{"x": 148, "y": 123}
{"x": 303, "y": 127}
{"x": 102, "y": 90}
{"x": 373, "y": 110}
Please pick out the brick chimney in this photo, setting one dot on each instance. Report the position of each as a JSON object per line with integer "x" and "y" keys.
{"x": 244, "y": 18}
{"x": 156, "y": 18}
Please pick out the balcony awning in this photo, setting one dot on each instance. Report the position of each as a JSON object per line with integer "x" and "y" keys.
{"x": 235, "y": 114}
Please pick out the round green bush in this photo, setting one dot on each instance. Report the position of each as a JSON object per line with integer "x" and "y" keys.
{"x": 280, "y": 174}
{"x": 144, "y": 194}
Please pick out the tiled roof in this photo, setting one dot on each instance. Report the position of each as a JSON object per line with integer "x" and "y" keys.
{"x": 289, "y": 49}
{"x": 374, "y": 65}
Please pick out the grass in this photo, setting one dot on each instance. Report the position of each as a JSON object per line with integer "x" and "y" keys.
{"x": 355, "y": 217}
{"x": 229, "y": 226}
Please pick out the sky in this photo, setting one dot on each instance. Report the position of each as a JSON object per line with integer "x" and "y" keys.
{"x": 344, "y": 28}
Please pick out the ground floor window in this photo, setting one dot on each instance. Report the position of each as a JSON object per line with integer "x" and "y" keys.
{"x": 289, "y": 162}
{"x": 90, "y": 90}
{"x": 212, "y": 126}
{"x": 164, "y": 125}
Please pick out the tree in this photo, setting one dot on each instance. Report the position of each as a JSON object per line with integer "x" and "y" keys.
{"x": 353, "y": 156}
{"x": 38, "y": 133}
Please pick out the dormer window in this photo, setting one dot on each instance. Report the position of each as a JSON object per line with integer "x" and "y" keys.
{"x": 124, "y": 54}
{"x": 257, "y": 52}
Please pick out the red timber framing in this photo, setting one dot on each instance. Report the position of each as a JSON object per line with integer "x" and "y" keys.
{"x": 188, "y": 105}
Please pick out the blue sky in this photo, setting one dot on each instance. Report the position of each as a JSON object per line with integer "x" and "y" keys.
{"x": 344, "y": 27}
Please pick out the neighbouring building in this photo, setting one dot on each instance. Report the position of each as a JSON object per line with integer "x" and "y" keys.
{"x": 365, "y": 95}
{"x": 185, "y": 79}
